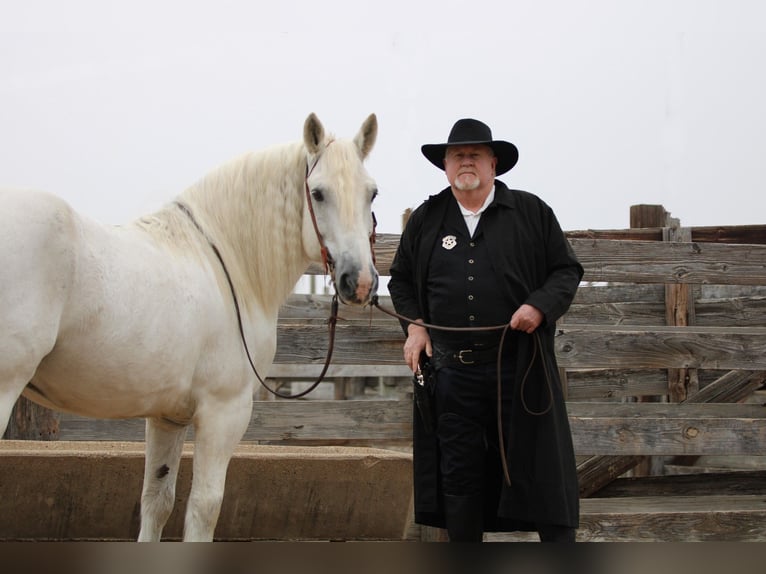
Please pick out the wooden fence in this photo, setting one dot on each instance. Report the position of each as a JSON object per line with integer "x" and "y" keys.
{"x": 663, "y": 355}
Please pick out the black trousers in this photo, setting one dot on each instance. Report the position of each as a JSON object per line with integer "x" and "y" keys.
{"x": 466, "y": 411}
{"x": 466, "y": 400}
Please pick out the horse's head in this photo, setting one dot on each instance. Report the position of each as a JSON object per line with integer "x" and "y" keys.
{"x": 339, "y": 192}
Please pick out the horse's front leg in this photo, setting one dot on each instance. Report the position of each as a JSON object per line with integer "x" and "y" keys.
{"x": 164, "y": 445}
{"x": 218, "y": 428}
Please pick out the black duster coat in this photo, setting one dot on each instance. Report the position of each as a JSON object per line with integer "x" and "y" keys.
{"x": 536, "y": 265}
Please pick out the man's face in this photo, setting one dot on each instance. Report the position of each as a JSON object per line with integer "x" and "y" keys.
{"x": 470, "y": 167}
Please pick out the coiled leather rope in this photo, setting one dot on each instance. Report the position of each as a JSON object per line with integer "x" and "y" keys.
{"x": 537, "y": 348}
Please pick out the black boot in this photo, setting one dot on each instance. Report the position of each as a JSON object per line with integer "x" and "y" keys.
{"x": 465, "y": 517}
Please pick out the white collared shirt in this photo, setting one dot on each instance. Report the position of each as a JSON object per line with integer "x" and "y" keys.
{"x": 472, "y": 217}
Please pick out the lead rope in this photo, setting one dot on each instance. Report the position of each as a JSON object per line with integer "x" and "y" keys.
{"x": 504, "y": 328}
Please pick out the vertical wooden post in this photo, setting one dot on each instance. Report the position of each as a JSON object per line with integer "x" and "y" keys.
{"x": 648, "y": 215}
{"x": 643, "y": 216}
{"x": 679, "y": 311}
{"x": 30, "y": 421}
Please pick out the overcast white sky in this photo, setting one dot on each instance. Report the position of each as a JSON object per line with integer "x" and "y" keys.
{"x": 119, "y": 106}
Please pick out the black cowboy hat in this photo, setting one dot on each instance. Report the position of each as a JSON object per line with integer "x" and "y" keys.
{"x": 473, "y": 132}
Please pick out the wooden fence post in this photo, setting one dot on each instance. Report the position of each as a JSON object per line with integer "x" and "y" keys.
{"x": 30, "y": 421}
{"x": 679, "y": 302}
{"x": 642, "y": 216}
{"x": 679, "y": 311}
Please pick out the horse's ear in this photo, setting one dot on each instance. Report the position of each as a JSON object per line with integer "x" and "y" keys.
{"x": 365, "y": 139}
{"x": 313, "y": 133}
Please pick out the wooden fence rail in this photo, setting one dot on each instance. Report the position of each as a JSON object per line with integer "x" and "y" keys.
{"x": 597, "y": 428}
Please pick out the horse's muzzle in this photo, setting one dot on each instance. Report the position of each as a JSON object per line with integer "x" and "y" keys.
{"x": 354, "y": 286}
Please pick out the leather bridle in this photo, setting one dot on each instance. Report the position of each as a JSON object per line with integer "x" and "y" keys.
{"x": 329, "y": 266}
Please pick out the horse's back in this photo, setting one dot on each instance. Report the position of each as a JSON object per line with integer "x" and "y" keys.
{"x": 37, "y": 231}
{"x": 37, "y": 234}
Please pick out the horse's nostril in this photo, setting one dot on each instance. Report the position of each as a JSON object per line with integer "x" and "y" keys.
{"x": 347, "y": 283}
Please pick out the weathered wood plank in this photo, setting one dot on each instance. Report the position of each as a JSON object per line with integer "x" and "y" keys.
{"x": 740, "y": 311}
{"x": 717, "y": 518}
{"x": 730, "y": 234}
{"x": 625, "y": 314}
{"x": 614, "y": 384}
{"x": 577, "y": 347}
{"x": 596, "y": 472}
{"x": 755, "y": 234}
{"x": 592, "y": 293}
{"x": 614, "y": 304}
{"x": 330, "y": 420}
{"x": 707, "y": 484}
{"x": 669, "y": 262}
{"x": 310, "y": 372}
{"x": 632, "y": 234}
{"x": 601, "y": 384}
{"x": 643, "y": 261}
{"x": 597, "y": 428}
{"x": 592, "y": 306}
{"x": 77, "y": 428}
{"x": 693, "y": 347}
{"x": 667, "y": 429}
{"x": 733, "y": 518}
{"x": 729, "y": 388}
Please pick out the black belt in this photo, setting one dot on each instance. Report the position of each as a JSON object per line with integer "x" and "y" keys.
{"x": 463, "y": 357}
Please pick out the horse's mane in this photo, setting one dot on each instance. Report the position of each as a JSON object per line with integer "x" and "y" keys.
{"x": 251, "y": 208}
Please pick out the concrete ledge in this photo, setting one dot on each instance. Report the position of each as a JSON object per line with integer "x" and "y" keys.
{"x": 62, "y": 490}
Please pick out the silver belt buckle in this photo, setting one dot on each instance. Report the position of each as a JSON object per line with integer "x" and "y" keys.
{"x": 461, "y": 359}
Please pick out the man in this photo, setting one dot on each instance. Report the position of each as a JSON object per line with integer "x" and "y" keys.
{"x": 480, "y": 255}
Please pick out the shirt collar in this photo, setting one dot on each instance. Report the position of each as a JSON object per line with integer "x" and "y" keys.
{"x": 487, "y": 201}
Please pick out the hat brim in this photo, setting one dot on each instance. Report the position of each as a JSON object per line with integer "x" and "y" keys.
{"x": 507, "y": 154}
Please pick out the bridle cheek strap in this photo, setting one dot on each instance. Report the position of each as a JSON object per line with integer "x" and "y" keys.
{"x": 327, "y": 260}
{"x": 373, "y": 238}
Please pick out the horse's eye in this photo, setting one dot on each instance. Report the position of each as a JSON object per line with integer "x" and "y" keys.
{"x": 317, "y": 194}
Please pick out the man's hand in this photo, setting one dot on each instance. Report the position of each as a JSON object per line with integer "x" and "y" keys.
{"x": 417, "y": 341}
{"x": 526, "y": 318}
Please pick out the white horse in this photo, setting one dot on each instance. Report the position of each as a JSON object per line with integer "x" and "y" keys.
{"x": 140, "y": 321}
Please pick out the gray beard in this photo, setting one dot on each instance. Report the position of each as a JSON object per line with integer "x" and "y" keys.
{"x": 473, "y": 184}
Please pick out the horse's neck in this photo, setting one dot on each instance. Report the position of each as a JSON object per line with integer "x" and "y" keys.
{"x": 252, "y": 209}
